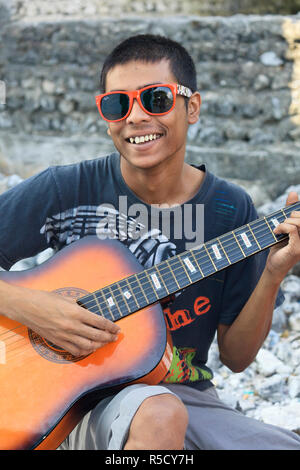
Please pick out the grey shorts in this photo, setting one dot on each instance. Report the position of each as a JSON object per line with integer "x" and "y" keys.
{"x": 212, "y": 424}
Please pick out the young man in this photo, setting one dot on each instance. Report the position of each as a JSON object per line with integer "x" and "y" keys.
{"x": 149, "y": 100}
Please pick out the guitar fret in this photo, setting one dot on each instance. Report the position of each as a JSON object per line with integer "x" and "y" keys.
{"x": 207, "y": 267}
{"x": 160, "y": 288}
{"x": 97, "y": 302}
{"x": 189, "y": 264}
{"x": 107, "y": 303}
{"x": 182, "y": 277}
{"x": 153, "y": 281}
{"x": 232, "y": 247}
{"x": 183, "y": 265}
{"x": 239, "y": 244}
{"x": 217, "y": 251}
{"x": 169, "y": 281}
{"x": 190, "y": 267}
{"x": 132, "y": 291}
{"x": 122, "y": 298}
{"x": 224, "y": 250}
{"x": 142, "y": 290}
{"x": 162, "y": 279}
{"x": 192, "y": 252}
{"x": 116, "y": 303}
{"x": 167, "y": 261}
{"x": 210, "y": 256}
{"x": 264, "y": 236}
{"x": 270, "y": 229}
{"x": 254, "y": 237}
{"x": 250, "y": 246}
{"x": 140, "y": 293}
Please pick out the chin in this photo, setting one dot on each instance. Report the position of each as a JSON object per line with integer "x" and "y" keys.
{"x": 144, "y": 160}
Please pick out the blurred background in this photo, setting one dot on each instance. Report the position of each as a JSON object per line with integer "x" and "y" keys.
{"x": 247, "y": 54}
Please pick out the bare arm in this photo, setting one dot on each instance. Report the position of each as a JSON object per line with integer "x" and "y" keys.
{"x": 60, "y": 320}
{"x": 240, "y": 342}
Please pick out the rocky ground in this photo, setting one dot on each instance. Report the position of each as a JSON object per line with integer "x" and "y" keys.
{"x": 269, "y": 389}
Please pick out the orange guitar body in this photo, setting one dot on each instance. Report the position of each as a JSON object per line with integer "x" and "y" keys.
{"x": 44, "y": 392}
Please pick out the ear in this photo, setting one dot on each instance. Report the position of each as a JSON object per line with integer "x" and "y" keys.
{"x": 194, "y": 108}
{"x": 108, "y": 131}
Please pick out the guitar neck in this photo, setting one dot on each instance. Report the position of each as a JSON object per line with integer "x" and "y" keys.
{"x": 174, "y": 274}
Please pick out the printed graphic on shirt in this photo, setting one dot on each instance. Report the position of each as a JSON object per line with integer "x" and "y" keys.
{"x": 181, "y": 318}
{"x": 182, "y": 370}
{"x": 75, "y": 223}
{"x": 129, "y": 222}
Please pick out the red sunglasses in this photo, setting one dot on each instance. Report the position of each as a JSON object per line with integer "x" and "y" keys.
{"x": 155, "y": 100}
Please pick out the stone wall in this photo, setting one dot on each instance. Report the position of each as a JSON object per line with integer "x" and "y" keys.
{"x": 33, "y": 8}
{"x": 248, "y": 74}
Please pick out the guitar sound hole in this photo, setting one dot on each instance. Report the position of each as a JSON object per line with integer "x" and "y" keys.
{"x": 51, "y": 351}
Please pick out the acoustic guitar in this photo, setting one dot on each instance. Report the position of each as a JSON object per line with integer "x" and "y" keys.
{"x": 44, "y": 390}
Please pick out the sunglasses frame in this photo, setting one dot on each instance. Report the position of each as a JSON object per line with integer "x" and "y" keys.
{"x": 136, "y": 94}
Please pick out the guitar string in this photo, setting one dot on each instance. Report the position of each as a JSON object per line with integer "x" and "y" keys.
{"x": 147, "y": 291}
{"x": 21, "y": 355}
{"x": 179, "y": 264}
{"x": 19, "y": 350}
{"x": 176, "y": 266}
{"x": 24, "y": 339}
{"x": 18, "y": 346}
{"x": 205, "y": 256}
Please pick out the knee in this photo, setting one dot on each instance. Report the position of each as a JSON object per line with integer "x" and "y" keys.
{"x": 159, "y": 423}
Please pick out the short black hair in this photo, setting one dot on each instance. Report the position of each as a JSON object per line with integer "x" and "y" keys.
{"x": 153, "y": 48}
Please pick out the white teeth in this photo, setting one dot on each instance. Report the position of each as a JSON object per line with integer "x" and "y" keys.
{"x": 143, "y": 138}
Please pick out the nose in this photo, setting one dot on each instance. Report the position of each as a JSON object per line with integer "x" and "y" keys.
{"x": 137, "y": 114}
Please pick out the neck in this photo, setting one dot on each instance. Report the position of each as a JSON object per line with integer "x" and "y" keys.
{"x": 164, "y": 184}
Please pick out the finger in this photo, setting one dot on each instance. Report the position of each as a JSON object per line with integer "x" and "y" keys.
{"x": 292, "y": 198}
{"x": 292, "y": 221}
{"x": 294, "y": 239}
{"x": 82, "y": 346}
{"x": 97, "y": 335}
{"x": 288, "y": 228}
{"x": 78, "y": 348}
{"x": 93, "y": 319}
{"x": 285, "y": 227}
{"x": 295, "y": 214}
{"x": 97, "y": 321}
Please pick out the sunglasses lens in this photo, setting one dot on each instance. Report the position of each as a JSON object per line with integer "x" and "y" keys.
{"x": 115, "y": 106}
{"x": 157, "y": 100}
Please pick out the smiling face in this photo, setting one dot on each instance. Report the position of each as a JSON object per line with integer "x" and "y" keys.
{"x": 146, "y": 141}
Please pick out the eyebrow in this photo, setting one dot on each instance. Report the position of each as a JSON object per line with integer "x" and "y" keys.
{"x": 139, "y": 88}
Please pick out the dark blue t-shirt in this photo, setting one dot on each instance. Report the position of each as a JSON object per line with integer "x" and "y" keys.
{"x": 64, "y": 203}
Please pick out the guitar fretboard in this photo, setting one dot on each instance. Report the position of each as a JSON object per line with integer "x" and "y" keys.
{"x": 174, "y": 274}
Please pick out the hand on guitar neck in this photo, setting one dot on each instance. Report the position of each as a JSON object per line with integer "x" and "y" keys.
{"x": 58, "y": 319}
{"x": 285, "y": 255}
